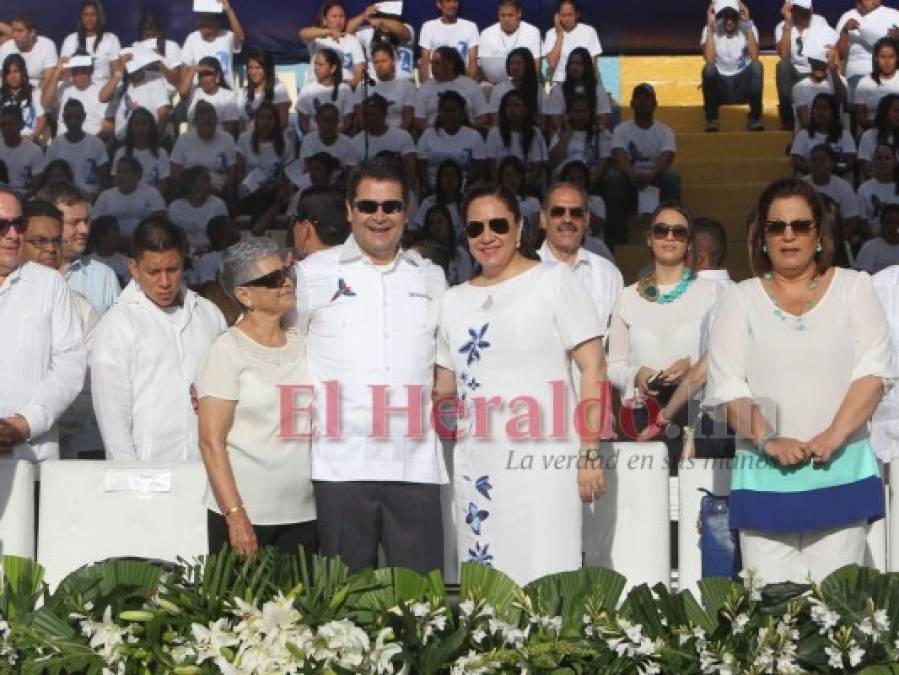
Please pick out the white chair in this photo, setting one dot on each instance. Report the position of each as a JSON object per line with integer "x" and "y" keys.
{"x": 628, "y": 529}
{"x": 696, "y": 475}
{"x": 17, "y": 508}
{"x": 91, "y": 511}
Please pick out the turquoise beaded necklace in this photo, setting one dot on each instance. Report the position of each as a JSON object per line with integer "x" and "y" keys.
{"x": 779, "y": 313}
{"x": 649, "y": 288}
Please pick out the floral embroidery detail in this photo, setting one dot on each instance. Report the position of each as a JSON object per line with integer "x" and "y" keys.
{"x": 469, "y": 381}
{"x": 481, "y": 555}
{"x": 475, "y": 517}
{"x": 483, "y": 486}
{"x": 474, "y": 346}
{"x": 343, "y": 289}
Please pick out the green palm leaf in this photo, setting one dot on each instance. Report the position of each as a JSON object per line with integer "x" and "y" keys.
{"x": 482, "y": 582}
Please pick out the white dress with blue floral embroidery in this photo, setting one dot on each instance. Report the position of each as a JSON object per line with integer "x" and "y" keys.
{"x": 516, "y": 503}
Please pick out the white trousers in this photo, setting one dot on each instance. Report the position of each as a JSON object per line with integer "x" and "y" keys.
{"x": 795, "y": 556}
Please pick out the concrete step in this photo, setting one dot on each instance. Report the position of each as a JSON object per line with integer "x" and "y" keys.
{"x": 702, "y": 199}
{"x": 733, "y": 145}
{"x": 727, "y": 170}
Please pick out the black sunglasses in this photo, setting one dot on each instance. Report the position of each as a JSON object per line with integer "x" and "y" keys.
{"x": 475, "y": 228}
{"x": 274, "y": 279}
{"x": 18, "y": 224}
{"x": 370, "y": 206}
{"x": 574, "y": 211}
{"x": 799, "y": 226}
{"x": 679, "y": 233}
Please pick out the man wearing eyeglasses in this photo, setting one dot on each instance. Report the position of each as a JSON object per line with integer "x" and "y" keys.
{"x": 370, "y": 311}
{"x": 42, "y": 356}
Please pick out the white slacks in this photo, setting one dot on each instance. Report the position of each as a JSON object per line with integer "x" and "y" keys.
{"x": 794, "y": 556}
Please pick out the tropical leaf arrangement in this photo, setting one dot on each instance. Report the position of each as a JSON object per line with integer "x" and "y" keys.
{"x": 276, "y": 614}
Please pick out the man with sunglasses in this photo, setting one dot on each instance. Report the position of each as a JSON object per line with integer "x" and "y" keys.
{"x": 146, "y": 352}
{"x": 42, "y": 355}
{"x": 370, "y": 310}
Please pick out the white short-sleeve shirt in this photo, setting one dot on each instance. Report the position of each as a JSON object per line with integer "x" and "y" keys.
{"x": 496, "y": 45}
{"x": 217, "y": 154}
{"x": 878, "y": 21}
{"x": 497, "y": 150}
{"x": 507, "y": 85}
{"x": 223, "y": 47}
{"x": 314, "y": 95}
{"x": 155, "y": 167}
{"x": 818, "y": 31}
{"x": 348, "y": 49}
{"x": 31, "y": 109}
{"x": 583, "y": 35}
{"x": 872, "y": 197}
{"x": 584, "y": 149}
{"x": 806, "y": 89}
{"x": 400, "y": 94}
{"x": 342, "y": 149}
{"x": 84, "y": 157}
{"x": 464, "y": 147}
{"x": 42, "y": 56}
{"x": 193, "y": 219}
{"x": 129, "y": 209}
{"x": 428, "y": 100}
{"x": 644, "y": 145}
{"x": 247, "y": 108}
{"x": 731, "y": 49}
{"x": 95, "y": 111}
{"x": 461, "y": 35}
{"x": 266, "y": 158}
{"x": 23, "y": 163}
{"x": 103, "y": 53}
{"x": 803, "y": 144}
{"x": 150, "y": 94}
{"x": 868, "y": 93}
{"x": 223, "y": 100}
{"x": 841, "y": 192}
{"x": 555, "y": 103}
{"x": 405, "y": 53}
{"x": 394, "y": 140}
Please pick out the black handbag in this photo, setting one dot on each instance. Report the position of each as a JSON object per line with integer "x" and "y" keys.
{"x": 719, "y": 545}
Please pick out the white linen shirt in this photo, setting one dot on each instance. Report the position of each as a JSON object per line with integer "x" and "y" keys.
{"x": 368, "y": 326}
{"x": 42, "y": 356}
{"x": 143, "y": 363}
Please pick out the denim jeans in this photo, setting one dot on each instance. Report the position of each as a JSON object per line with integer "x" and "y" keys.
{"x": 744, "y": 87}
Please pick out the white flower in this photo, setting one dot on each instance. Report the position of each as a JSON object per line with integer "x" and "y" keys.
{"x": 420, "y": 609}
{"x": 466, "y": 607}
{"x": 835, "y": 657}
{"x": 383, "y": 652}
{"x": 278, "y": 614}
{"x": 822, "y": 615}
{"x": 473, "y": 664}
{"x": 881, "y": 621}
{"x": 341, "y": 643}
{"x": 105, "y": 636}
{"x": 478, "y": 634}
{"x": 739, "y": 623}
{"x": 856, "y": 654}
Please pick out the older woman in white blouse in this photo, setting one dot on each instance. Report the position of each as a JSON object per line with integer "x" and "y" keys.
{"x": 656, "y": 326}
{"x": 258, "y": 467}
{"x": 798, "y": 358}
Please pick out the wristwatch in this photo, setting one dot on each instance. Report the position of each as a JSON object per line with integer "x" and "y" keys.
{"x": 590, "y": 454}
{"x": 767, "y": 438}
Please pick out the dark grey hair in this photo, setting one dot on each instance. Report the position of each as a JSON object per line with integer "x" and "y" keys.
{"x": 565, "y": 185}
{"x": 239, "y": 262}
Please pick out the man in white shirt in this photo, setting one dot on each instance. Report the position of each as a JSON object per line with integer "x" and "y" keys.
{"x": 370, "y": 310}
{"x": 824, "y": 78}
{"x": 856, "y": 43}
{"x": 460, "y": 34}
{"x": 566, "y": 35}
{"x": 643, "y": 152}
{"x": 500, "y": 39}
{"x": 42, "y": 357}
{"x": 38, "y": 51}
{"x": 376, "y": 138}
{"x": 732, "y": 71}
{"x": 24, "y": 159}
{"x": 85, "y": 154}
{"x": 799, "y": 29}
{"x": 146, "y": 352}
{"x": 93, "y": 279}
{"x": 211, "y": 40}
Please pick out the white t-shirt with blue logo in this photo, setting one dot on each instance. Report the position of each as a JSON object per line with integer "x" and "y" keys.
{"x": 437, "y": 145}
{"x": 129, "y": 209}
{"x": 644, "y": 145}
{"x": 223, "y": 47}
{"x": 461, "y": 35}
{"x": 23, "y": 163}
{"x": 731, "y": 50}
{"x": 217, "y": 154}
{"x": 84, "y": 157}
{"x": 31, "y": 111}
{"x": 405, "y": 53}
{"x": 156, "y": 167}
{"x": 348, "y": 49}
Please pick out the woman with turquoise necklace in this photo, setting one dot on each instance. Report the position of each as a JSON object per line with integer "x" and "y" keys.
{"x": 655, "y": 332}
{"x": 798, "y": 360}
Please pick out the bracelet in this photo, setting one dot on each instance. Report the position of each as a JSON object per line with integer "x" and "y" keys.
{"x": 233, "y": 509}
{"x": 590, "y": 454}
{"x": 767, "y": 438}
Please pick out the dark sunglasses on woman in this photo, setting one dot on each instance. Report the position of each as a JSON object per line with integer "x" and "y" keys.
{"x": 679, "y": 233}
{"x": 799, "y": 226}
{"x": 475, "y": 228}
{"x": 274, "y": 280}
{"x": 18, "y": 224}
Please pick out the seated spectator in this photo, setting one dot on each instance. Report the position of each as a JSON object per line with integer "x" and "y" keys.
{"x": 798, "y": 29}
{"x": 152, "y": 36}
{"x": 449, "y": 31}
{"x": 214, "y": 89}
{"x": 320, "y": 221}
{"x": 594, "y": 238}
{"x": 143, "y": 143}
{"x": 581, "y": 140}
{"x": 261, "y": 490}
{"x": 93, "y": 37}
{"x": 885, "y": 131}
{"x": 732, "y": 71}
{"x": 824, "y": 78}
{"x": 825, "y": 125}
{"x": 447, "y": 192}
{"x": 24, "y": 159}
{"x": 376, "y": 138}
{"x": 212, "y": 39}
{"x": 854, "y": 49}
{"x": 86, "y": 155}
{"x": 498, "y": 41}
{"x": 222, "y": 233}
{"x": 881, "y": 189}
{"x": 517, "y": 134}
{"x": 324, "y": 171}
{"x": 883, "y": 250}
{"x": 105, "y": 243}
{"x": 329, "y": 140}
{"x": 43, "y": 367}
{"x": 372, "y": 26}
{"x": 262, "y": 154}
{"x": 512, "y": 174}
{"x": 206, "y": 145}
{"x": 129, "y": 201}
{"x": 566, "y": 35}
{"x": 881, "y": 82}
{"x": 196, "y": 208}
{"x": 100, "y": 116}
{"x": 822, "y": 162}
{"x": 146, "y": 351}
{"x": 140, "y": 88}
{"x": 331, "y": 33}
{"x": 16, "y": 89}
{"x": 522, "y": 75}
{"x": 448, "y": 74}
{"x": 38, "y": 52}
{"x": 643, "y": 152}
{"x": 451, "y": 137}
{"x": 581, "y": 79}
{"x": 327, "y": 88}
{"x": 437, "y": 225}
{"x": 55, "y": 170}
{"x": 263, "y": 86}
{"x": 400, "y": 93}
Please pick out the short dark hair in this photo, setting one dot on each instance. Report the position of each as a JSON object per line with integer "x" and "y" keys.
{"x": 26, "y": 18}
{"x": 325, "y": 208}
{"x": 12, "y": 111}
{"x": 217, "y": 230}
{"x": 158, "y": 235}
{"x": 133, "y": 163}
{"x": 887, "y": 209}
{"x": 73, "y": 103}
{"x": 63, "y": 192}
{"x": 377, "y": 171}
{"x": 383, "y": 46}
{"x": 512, "y": 3}
{"x": 36, "y": 208}
{"x": 783, "y": 189}
{"x": 101, "y": 225}
{"x": 717, "y": 238}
